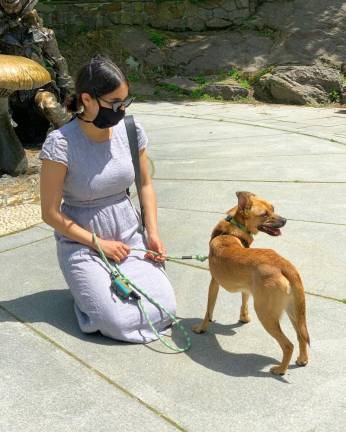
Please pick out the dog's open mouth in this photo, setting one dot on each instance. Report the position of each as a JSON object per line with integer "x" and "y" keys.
{"x": 269, "y": 230}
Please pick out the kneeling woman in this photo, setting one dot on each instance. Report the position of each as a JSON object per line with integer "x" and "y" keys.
{"x": 87, "y": 164}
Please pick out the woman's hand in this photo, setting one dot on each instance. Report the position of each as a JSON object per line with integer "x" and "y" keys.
{"x": 115, "y": 250}
{"x": 156, "y": 245}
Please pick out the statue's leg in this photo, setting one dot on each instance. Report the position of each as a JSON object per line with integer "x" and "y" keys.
{"x": 51, "y": 51}
{"x": 51, "y": 109}
{"x": 13, "y": 160}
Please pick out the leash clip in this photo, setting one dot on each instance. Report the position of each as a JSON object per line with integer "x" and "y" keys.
{"x": 122, "y": 289}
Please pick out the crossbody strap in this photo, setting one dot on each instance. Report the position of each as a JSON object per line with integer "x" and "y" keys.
{"x": 133, "y": 142}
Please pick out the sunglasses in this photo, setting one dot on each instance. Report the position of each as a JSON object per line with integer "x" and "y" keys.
{"x": 120, "y": 104}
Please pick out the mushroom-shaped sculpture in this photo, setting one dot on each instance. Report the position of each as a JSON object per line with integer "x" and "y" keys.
{"x": 16, "y": 73}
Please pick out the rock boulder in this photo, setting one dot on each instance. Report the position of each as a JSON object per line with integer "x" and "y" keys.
{"x": 299, "y": 85}
{"x": 227, "y": 91}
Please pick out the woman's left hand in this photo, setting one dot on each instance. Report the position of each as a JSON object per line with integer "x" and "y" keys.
{"x": 155, "y": 244}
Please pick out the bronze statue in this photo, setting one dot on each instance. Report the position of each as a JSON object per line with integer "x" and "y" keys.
{"x": 17, "y": 73}
{"x": 22, "y": 34}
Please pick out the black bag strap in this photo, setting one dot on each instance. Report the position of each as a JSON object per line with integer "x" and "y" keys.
{"x": 133, "y": 142}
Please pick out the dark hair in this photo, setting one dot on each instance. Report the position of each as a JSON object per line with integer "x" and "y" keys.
{"x": 97, "y": 77}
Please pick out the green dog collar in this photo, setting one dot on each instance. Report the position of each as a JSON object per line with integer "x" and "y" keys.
{"x": 233, "y": 221}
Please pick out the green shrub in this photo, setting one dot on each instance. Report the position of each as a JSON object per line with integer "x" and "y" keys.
{"x": 334, "y": 95}
{"x": 157, "y": 38}
{"x": 200, "y": 79}
{"x": 238, "y": 76}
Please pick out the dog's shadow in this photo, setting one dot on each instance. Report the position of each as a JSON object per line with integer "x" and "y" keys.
{"x": 207, "y": 352}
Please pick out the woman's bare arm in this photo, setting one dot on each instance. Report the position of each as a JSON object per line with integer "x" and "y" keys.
{"x": 52, "y": 183}
{"x": 150, "y": 208}
{"x": 51, "y": 187}
{"x": 148, "y": 196}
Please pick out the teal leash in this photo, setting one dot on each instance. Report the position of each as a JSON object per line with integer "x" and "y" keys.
{"x": 200, "y": 258}
{"x": 125, "y": 285}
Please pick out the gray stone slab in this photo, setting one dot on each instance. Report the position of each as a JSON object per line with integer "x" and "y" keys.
{"x": 318, "y": 129}
{"x": 305, "y": 202}
{"x": 237, "y": 149}
{"x": 31, "y": 267}
{"x": 238, "y": 110}
{"x": 199, "y": 131}
{"x": 206, "y": 143}
{"x": 259, "y": 112}
{"x": 22, "y": 238}
{"x": 221, "y": 140}
{"x": 204, "y": 114}
{"x": 44, "y": 389}
{"x": 326, "y": 119}
{"x": 222, "y": 383}
{"x": 45, "y": 226}
{"x": 260, "y": 116}
{"x": 319, "y": 168}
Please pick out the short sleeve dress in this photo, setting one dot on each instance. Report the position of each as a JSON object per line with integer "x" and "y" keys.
{"x": 94, "y": 196}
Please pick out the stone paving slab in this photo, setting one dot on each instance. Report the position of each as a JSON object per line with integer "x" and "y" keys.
{"x": 22, "y": 238}
{"x": 320, "y": 168}
{"x": 51, "y": 391}
{"x": 243, "y": 112}
{"x": 259, "y": 115}
{"x": 223, "y": 383}
{"x": 44, "y": 226}
{"x": 235, "y": 144}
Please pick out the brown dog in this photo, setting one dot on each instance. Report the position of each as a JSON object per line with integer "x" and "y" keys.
{"x": 273, "y": 281}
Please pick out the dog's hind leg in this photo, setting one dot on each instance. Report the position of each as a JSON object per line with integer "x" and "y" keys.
{"x": 270, "y": 320}
{"x": 303, "y": 357}
{"x": 244, "y": 312}
{"x": 296, "y": 311}
{"x": 212, "y": 295}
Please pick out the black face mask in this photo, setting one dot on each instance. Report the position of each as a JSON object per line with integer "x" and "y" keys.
{"x": 106, "y": 117}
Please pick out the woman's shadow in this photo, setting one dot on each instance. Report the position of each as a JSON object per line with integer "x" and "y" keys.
{"x": 54, "y": 307}
{"x": 207, "y": 352}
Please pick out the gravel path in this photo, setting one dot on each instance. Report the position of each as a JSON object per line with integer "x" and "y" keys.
{"x": 19, "y": 217}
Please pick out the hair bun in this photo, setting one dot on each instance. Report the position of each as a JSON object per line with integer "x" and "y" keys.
{"x": 71, "y": 104}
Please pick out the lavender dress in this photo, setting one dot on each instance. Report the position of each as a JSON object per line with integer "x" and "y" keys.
{"x": 94, "y": 197}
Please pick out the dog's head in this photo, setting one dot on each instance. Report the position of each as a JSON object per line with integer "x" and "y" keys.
{"x": 257, "y": 214}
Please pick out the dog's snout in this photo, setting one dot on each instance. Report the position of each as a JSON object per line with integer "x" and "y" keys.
{"x": 278, "y": 222}
{"x": 283, "y": 221}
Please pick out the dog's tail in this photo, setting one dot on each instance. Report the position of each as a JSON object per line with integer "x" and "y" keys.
{"x": 297, "y": 310}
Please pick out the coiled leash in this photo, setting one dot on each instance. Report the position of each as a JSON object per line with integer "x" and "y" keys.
{"x": 124, "y": 288}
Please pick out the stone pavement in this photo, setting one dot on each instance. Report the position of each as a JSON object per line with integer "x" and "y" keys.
{"x": 54, "y": 378}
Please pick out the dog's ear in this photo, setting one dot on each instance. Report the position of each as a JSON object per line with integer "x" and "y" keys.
{"x": 244, "y": 200}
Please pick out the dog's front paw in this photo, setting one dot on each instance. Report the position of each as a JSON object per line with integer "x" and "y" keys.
{"x": 198, "y": 328}
{"x": 278, "y": 370}
{"x": 244, "y": 318}
{"x": 302, "y": 361}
